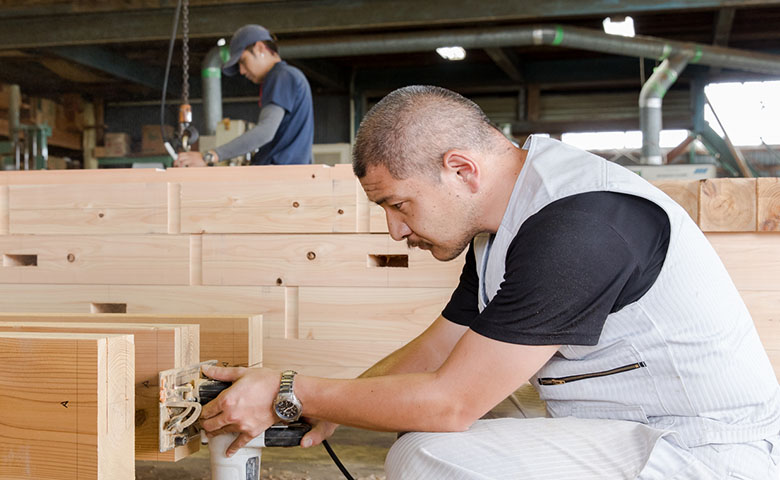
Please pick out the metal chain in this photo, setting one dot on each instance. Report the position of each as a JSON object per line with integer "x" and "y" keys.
{"x": 185, "y": 47}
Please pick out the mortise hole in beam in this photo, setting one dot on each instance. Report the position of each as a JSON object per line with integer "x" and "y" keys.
{"x": 20, "y": 260}
{"x": 391, "y": 261}
{"x": 108, "y": 308}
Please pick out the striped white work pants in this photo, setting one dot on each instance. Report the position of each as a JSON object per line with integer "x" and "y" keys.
{"x": 571, "y": 448}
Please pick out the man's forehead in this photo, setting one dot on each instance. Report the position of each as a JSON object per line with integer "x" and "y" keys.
{"x": 378, "y": 184}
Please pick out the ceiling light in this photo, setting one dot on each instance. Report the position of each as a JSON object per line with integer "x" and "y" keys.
{"x": 221, "y": 42}
{"x": 623, "y": 27}
{"x": 452, "y": 53}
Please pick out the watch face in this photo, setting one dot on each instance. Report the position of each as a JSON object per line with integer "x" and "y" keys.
{"x": 286, "y": 409}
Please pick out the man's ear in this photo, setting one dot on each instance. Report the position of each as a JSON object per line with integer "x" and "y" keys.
{"x": 464, "y": 166}
{"x": 257, "y": 49}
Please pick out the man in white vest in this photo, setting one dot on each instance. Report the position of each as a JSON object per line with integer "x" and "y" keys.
{"x": 581, "y": 278}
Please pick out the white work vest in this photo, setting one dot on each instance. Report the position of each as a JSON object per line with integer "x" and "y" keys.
{"x": 685, "y": 357}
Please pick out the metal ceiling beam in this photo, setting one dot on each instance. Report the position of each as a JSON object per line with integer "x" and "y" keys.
{"x": 551, "y": 74}
{"x": 325, "y": 73}
{"x": 722, "y": 31}
{"x": 308, "y": 17}
{"x": 506, "y": 61}
{"x": 121, "y": 67}
{"x": 723, "y": 26}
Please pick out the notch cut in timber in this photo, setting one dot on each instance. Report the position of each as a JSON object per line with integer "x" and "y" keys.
{"x": 108, "y": 308}
{"x": 391, "y": 261}
{"x": 18, "y": 260}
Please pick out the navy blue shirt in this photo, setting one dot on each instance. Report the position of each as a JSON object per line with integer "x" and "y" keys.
{"x": 287, "y": 87}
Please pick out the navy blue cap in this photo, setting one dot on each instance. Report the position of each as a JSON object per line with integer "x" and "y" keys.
{"x": 244, "y": 37}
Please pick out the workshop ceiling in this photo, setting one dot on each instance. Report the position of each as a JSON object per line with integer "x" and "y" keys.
{"x": 116, "y": 50}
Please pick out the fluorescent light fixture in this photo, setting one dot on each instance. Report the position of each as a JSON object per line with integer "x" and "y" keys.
{"x": 452, "y": 53}
{"x": 624, "y": 27}
{"x": 221, "y": 42}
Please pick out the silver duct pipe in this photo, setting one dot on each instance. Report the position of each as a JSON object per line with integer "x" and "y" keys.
{"x": 650, "y": 103}
{"x": 555, "y": 35}
{"x": 211, "y": 76}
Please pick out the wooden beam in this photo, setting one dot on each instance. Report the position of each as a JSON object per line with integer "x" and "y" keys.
{"x": 683, "y": 147}
{"x": 95, "y": 259}
{"x": 728, "y": 205}
{"x": 233, "y": 340}
{"x": 346, "y": 356}
{"x": 312, "y": 205}
{"x": 752, "y": 259}
{"x": 322, "y": 260}
{"x": 146, "y": 300}
{"x": 368, "y": 314}
{"x": 684, "y": 192}
{"x": 68, "y": 406}
{"x": 88, "y": 208}
{"x": 58, "y": 137}
{"x": 768, "y": 204}
{"x": 158, "y": 347}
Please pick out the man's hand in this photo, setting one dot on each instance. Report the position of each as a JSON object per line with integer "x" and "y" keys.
{"x": 189, "y": 159}
{"x": 320, "y": 430}
{"x": 245, "y": 407}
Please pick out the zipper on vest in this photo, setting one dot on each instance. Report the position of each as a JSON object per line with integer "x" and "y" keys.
{"x": 574, "y": 378}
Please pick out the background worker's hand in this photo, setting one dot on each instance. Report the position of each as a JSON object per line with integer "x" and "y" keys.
{"x": 320, "y": 430}
{"x": 189, "y": 159}
{"x": 244, "y": 408}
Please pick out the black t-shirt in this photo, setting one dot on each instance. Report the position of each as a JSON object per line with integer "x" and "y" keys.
{"x": 570, "y": 265}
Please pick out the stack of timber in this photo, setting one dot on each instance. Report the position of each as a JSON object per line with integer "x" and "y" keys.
{"x": 67, "y": 406}
{"x": 300, "y": 245}
{"x": 53, "y": 372}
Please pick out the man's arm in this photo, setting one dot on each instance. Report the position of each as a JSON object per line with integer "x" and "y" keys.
{"x": 271, "y": 116}
{"x": 268, "y": 123}
{"x": 477, "y": 375}
{"x": 425, "y": 353}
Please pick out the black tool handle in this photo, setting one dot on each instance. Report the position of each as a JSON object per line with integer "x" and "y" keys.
{"x": 208, "y": 390}
{"x": 280, "y": 435}
{"x": 286, "y": 435}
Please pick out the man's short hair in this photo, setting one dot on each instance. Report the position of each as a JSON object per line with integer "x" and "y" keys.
{"x": 411, "y": 129}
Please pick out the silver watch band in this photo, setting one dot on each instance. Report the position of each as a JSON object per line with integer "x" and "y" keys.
{"x": 286, "y": 384}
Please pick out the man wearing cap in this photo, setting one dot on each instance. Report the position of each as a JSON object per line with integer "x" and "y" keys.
{"x": 285, "y": 128}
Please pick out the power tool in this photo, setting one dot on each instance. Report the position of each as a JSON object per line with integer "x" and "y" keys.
{"x": 184, "y": 391}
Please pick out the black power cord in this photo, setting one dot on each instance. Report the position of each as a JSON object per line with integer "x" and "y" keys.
{"x": 336, "y": 460}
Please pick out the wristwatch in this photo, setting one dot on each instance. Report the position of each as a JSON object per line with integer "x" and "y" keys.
{"x": 208, "y": 157}
{"x": 287, "y": 406}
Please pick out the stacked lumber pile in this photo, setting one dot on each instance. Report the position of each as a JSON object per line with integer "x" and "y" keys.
{"x": 300, "y": 245}
{"x": 80, "y": 391}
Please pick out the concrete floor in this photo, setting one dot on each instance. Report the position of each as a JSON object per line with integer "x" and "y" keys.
{"x": 362, "y": 453}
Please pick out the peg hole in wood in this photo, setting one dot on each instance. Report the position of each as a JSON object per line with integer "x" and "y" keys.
{"x": 390, "y": 261}
{"x": 108, "y": 308}
{"x": 341, "y": 211}
{"x": 71, "y": 258}
{"x": 20, "y": 260}
{"x": 279, "y": 281}
{"x": 101, "y": 215}
{"x": 296, "y": 204}
{"x": 311, "y": 255}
